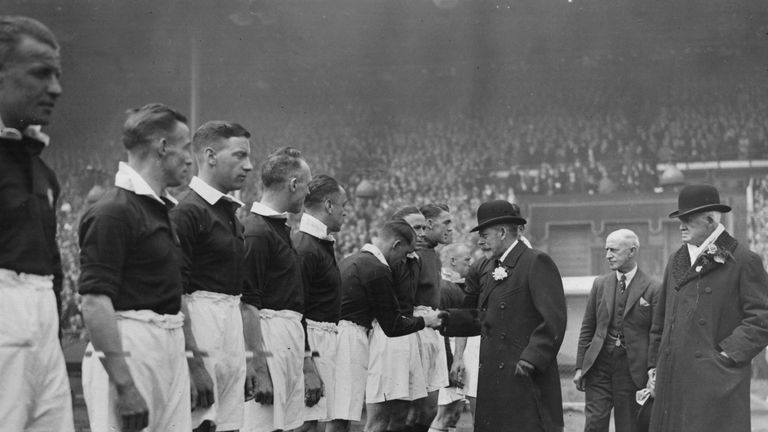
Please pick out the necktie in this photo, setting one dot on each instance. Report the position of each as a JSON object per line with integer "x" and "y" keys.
{"x": 623, "y": 283}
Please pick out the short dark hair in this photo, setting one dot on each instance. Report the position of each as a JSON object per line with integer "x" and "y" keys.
{"x": 402, "y": 212}
{"x": 144, "y": 123}
{"x": 398, "y": 229}
{"x": 212, "y": 132}
{"x": 279, "y": 166}
{"x": 433, "y": 210}
{"x": 14, "y": 27}
{"x": 320, "y": 187}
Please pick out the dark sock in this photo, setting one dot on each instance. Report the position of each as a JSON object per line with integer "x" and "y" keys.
{"x": 418, "y": 427}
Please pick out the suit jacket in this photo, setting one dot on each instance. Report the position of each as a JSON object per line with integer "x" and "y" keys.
{"x": 642, "y": 298}
{"x": 521, "y": 316}
{"x": 720, "y": 303}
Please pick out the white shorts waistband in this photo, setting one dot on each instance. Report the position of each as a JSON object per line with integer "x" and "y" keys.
{"x": 345, "y": 323}
{"x": 322, "y": 326}
{"x": 285, "y": 313}
{"x": 168, "y": 322}
{"x": 12, "y": 279}
{"x": 214, "y": 297}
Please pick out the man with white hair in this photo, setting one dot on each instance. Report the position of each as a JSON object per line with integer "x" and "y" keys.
{"x": 712, "y": 319}
{"x": 612, "y": 356}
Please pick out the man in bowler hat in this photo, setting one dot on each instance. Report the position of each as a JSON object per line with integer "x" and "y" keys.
{"x": 711, "y": 320}
{"x": 519, "y": 311}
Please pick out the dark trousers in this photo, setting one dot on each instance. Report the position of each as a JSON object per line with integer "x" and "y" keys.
{"x": 608, "y": 385}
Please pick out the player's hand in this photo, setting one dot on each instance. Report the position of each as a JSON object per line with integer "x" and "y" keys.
{"x": 313, "y": 385}
{"x": 132, "y": 408}
{"x": 523, "y": 368}
{"x": 258, "y": 382}
{"x": 578, "y": 379}
{"x": 432, "y": 319}
{"x": 457, "y": 373}
{"x": 201, "y": 385}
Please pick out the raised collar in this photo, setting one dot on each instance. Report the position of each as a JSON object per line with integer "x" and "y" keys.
{"x": 266, "y": 211}
{"x": 127, "y": 178}
{"x": 210, "y": 194}
{"x": 33, "y": 131}
{"x": 695, "y": 251}
{"x": 373, "y": 250}
{"x": 314, "y": 227}
{"x": 451, "y": 275}
{"x": 504, "y": 255}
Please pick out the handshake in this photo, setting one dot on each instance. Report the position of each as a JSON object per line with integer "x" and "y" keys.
{"x": 454, "y": 322}
{"x": 434, "y": 319}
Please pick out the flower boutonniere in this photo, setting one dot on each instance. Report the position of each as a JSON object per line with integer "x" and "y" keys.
{"x": 719, "y": 255}
{"x": 500, "y": 273}
{"x": 713, "y": 254}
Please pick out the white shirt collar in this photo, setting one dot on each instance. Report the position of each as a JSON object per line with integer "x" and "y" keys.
{"x": 127, "y": 178}
{"x": 695, "y": 251}
{"x": 266, "y": 211}
{"x": 504, "y": 256}
{"x": 32, "y": 131}
{"x": 314, "y": 227}
{"x": 630, "y": 275}
{"x": 451, "y": 275}
{"x": 376, "y": 252}
{"x": 210, "y": 194}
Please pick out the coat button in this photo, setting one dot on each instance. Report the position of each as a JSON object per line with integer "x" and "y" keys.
{"x": 502, "y": 305}
{"x": 708, "y": 290}
{"x": 697, "y": 354}
{"x": 702, "y": 322}
{"x": 501, "y": 365}
{"x": 483, "y": 309}
{"x": 668, "y": 351}
{"x": 503, "y": 336}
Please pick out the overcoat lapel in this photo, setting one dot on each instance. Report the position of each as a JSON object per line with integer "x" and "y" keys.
{"x": 509, "y": 264}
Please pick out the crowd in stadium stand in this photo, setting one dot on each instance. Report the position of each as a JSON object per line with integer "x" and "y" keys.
{"x": 591, "y": 148}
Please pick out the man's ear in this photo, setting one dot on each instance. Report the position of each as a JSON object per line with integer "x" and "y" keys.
{"x": 395, "y": 244}
{"x": 292, "y": 184}
{"x": 430, "y": 224}
{"x": 162, "y": 147}
{"x": 210, "y": 155}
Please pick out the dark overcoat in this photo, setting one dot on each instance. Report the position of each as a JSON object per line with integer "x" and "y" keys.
{"x": 522, "y": 316}
{"x": 706, "y": 308}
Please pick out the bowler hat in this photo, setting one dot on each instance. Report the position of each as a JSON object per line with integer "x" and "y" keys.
{"x": 497, "y": 212}
{"x": 698, "y": 198}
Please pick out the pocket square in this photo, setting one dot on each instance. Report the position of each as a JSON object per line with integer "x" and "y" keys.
{"x": 644, "y": 302}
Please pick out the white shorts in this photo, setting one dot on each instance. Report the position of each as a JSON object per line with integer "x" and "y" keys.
{"x": 33, "y": 376}
{"x": 394, "y": 368}
{"x": 283, "y": 338}
{"x": 217, "y": 325}
{"x": 471, "y": 369}
{"x": 323, "y": 338}
{"x": 158, "y": 364}
{"x": 351, "y": 372}
{"x": 432, "y": 352}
